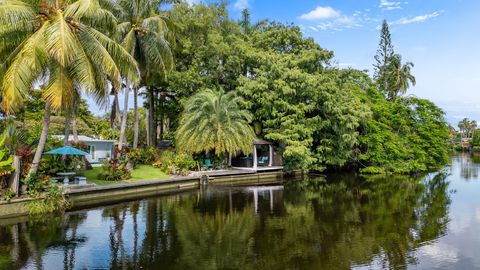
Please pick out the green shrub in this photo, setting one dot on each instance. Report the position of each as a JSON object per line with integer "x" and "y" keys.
{"x": 115, "y": 171}
{"x": 148, "y": 155}
{"x": 34, "y": 184}
{"x": 166, "y": 162}
{"x": 8, "y": 195}
{"x": 174, "y": 163}
{"x": 135, "y": 156}
{"x": 145, "y": 156}
{"x": 53, "y": 201}
{"x": 184, "y": 162}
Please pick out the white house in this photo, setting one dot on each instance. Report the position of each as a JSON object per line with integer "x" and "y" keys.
{"x": 98, "y": 150}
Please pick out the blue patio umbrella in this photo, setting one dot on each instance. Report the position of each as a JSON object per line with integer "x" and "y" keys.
{"x": 67, "y": 150}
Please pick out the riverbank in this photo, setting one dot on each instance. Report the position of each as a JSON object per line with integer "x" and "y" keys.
{"x": 93, "y": 195}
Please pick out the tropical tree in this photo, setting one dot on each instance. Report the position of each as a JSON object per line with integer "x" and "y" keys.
{"x": 464, "y": 127}
{"x": 61, "y": 44}
{"x": 144, "y": 32}
{"x": 383, "y": 57}
{"x": 400, "y": 77}
{"x": 214, "y": 121}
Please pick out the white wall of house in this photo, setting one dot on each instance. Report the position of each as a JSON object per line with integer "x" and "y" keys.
{"x": 99, "y": 151}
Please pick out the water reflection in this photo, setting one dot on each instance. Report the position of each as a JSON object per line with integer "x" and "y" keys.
{"x": 342, "y": 222}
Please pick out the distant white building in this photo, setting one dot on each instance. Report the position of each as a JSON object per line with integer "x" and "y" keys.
{"x": 98, "y": 150}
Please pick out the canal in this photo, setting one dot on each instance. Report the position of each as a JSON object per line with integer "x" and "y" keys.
{"x": 342, "y": 222}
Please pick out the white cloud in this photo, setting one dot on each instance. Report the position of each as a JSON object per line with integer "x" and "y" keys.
{"x": 241, "y": 4}
{"x": 193, "y": 2}
{"x": 416, "y": 19}
{"x": 390, "y": 5}
{"x": 320, "y": 13}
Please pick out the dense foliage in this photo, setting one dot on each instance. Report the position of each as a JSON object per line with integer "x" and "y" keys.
{"x": 319, "y": 115}
{"x": 213, "y": 121}
{"x": 286, "y": 87}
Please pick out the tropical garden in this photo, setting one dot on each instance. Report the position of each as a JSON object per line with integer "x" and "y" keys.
{"x": 205, "y": 83}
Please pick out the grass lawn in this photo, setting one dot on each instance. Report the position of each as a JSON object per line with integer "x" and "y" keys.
{"x": 140, "y": 173}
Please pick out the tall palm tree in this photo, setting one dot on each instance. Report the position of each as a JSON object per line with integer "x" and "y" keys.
{"x": 61, "y": 44}
{"x": 401, "y": 76}
{"x": 214, "y": 121}
{"x": 144, "y": 32}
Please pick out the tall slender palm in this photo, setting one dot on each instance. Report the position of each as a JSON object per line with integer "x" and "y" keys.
{"x": 144, "y": 32}
{"x": 214, "y": 121}
{"x": 59, "y": 43}
{"x": 401, "y": 76}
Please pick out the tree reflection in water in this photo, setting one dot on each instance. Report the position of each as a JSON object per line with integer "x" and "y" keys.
{"x": 341, "y": 223}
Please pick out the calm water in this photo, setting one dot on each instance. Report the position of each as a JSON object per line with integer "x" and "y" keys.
{"x": 430, "y": 222}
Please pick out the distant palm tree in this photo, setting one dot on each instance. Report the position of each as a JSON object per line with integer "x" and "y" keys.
{"x": 214, "y": 121}
{"x": 401, "y": 76}
{"x": 144, "y": 33}
{"x": 464, "y": 126}
{"x": 59, "y": 43}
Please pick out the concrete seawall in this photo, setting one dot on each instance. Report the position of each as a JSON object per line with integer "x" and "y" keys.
{"x": 109, "y": 194}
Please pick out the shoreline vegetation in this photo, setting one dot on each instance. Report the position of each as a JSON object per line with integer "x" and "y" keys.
{"x": 211, "y": 86}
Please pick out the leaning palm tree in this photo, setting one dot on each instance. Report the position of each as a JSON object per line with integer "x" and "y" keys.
{"x": 144, "y": 32}
{"x": 214, "y": 121}
{"x": 401, "y": 76}
{"x": 61, "y": 45}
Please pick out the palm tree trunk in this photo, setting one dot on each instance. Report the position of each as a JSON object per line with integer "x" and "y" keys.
{"x": 147, "y": 116}
{"x": 42, "y": 141}
{"x": 67, "y": 128}
{"x": 135, "y": 116}
{"x": 14, "y": 181}
{"x": 74, "y": 125}
{"x": 115, "y": 112}
{"x": 67, "y": 132}
{"x": 151, "y": 112}
{"x": 123, "y": 127}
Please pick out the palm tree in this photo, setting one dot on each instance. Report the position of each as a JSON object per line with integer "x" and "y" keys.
{"x": 61, "y": 44}
{"x": 214, "y": 121}
{"x": 143, "y": 32}
{"x": 400, "y": 76}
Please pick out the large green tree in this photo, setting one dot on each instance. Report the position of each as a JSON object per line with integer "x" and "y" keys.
{"x": 214, "y": 121}
{"x": 383, "y": 58}
{"x": 301, "y": 102}
{"x": 144, "y": 32}
{"x": 61, "y": 44}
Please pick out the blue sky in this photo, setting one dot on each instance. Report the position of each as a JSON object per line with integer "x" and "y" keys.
{"x": 441, "y": 37}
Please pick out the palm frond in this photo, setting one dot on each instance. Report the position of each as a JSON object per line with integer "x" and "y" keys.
{"x": 123, "y": 61}
{"x": 59, "y": 92}
{"x": 15, "y": 11}
{"x": 214, "y": 122}
{"x": 91, "y": 13}
{"x": 28, "y": 62}
{"x": 61, "y": 41}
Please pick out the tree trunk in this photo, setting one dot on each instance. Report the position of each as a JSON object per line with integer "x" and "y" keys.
{"x": 14, "y": 181}
{"x": 74, "y": 125}
{"x": 66, "y": 141}
{"x": 42, "y": 141}
{"x": 135, "y": 117}
{"x": 67, "y": 129}
{"x": 123, "y": 127}
{"x": 147, "y": 116}
{"x": 115, "y": 117}
{"x": 151, "y": 113}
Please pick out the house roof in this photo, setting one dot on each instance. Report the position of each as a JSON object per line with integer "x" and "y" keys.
{"x": 81, "y": 138}
{"x": 262, "y": 142}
